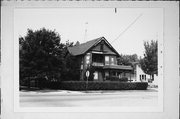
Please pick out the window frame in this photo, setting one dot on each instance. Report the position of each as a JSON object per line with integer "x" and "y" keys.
{"x": 107, "y": 62}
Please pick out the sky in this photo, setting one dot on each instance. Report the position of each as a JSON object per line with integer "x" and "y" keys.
{"x": 125, "y": 28}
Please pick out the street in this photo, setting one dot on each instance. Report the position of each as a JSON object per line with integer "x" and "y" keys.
{"x": 63, "y": 98}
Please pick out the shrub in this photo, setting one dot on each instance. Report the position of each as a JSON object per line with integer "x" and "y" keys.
{"x": 98, "y": 85}
{"x": 116, "y": 78}
{"x": 125, "y": 79}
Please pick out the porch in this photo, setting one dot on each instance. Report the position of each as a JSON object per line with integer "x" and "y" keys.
{"x": 118, "y": 72}
{"x": 113, "y": 73}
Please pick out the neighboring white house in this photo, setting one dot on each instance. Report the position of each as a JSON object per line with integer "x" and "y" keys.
{"x": 140, "y": 76}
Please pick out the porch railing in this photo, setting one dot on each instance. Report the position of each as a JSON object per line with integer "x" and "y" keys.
{"x": 98, "y": 64}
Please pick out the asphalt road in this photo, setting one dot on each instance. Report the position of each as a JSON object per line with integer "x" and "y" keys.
{"x": 92, "y": 98}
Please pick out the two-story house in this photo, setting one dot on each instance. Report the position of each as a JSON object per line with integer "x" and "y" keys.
{"x": 103, "y": 57}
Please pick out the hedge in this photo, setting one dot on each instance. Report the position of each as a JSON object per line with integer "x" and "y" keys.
{"x": 116, "y": 78}
{"x": 96, "y": 85}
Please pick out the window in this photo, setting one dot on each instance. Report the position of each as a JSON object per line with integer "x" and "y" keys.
{"x": 112, "y": 61}
{"x": 81, "y": 67}
{"x": 88, "y": 58}
{"x": 106, "y": 60}
{"x": 106, "y": 73}
{"x": 95, "y": 75}
{"x": 120, "y": 75}
{"x": 97, "y": 58}
{"x": 142, "y": 76}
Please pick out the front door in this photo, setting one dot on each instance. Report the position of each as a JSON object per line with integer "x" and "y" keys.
{"x": 100, "y": 77}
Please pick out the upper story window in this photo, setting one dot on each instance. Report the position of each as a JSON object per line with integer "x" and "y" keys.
{"x": 106, "y": 60}
{"x": 87, "y": 58}
{"x": 112, "y": 61}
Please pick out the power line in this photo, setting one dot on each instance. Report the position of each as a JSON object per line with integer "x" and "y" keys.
{"x": 127, "y": 28}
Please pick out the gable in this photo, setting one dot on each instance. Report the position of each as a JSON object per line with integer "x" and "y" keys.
{"x": 107, "y": 48}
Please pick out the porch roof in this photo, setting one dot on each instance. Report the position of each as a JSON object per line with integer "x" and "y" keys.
{"x": 120, "y": 67}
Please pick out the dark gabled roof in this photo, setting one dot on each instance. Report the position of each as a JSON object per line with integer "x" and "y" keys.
{"x": 122, "y": 67}
{"x": 84, "y": 47}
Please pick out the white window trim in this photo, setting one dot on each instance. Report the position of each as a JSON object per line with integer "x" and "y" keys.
{"x": 107, "y": 60}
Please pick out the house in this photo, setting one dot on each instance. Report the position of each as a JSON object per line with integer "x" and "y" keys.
{"x": 100, "y": 54}
{"x": 140, "y": 76}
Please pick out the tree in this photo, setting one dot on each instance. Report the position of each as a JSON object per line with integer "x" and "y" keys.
{"x": 127, "y": 59}
{"x": 72, "y": 65}
{"x": 72, "y": 68}
{"x": 149, "y": 63}
{"x": 41, "y": 55}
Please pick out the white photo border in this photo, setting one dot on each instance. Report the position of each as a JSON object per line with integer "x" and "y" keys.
{"x": 170, "y": 62}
